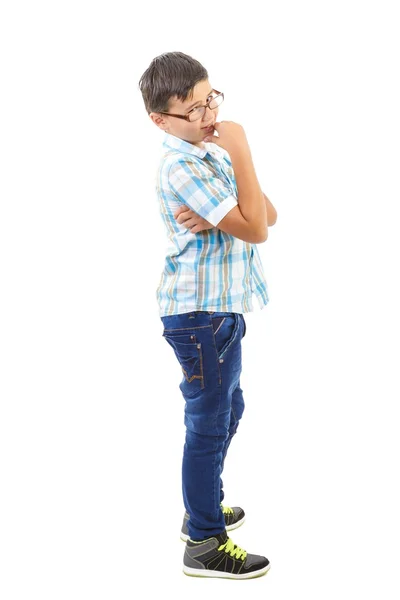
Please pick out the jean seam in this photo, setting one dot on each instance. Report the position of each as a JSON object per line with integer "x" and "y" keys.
{"x": 185, "y": 328}
{"x": 214, "y": 474}
{"x": 216, "y": 351}
{"x": 216, "y": 503}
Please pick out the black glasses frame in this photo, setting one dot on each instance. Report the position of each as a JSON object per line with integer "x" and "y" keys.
{"x": 186, "y": 117}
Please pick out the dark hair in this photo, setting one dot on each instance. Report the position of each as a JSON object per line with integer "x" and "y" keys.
{"x": 170, "y": 74}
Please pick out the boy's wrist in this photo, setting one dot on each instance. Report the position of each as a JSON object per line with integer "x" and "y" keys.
{"x": 240, "y": 153}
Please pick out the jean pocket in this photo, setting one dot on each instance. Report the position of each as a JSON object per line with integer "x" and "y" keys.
{"x": 224, "y": 329}
{"x": 189, "y": 354}
{"x": 217, "y": 324}
{"x": 182, "y": 336}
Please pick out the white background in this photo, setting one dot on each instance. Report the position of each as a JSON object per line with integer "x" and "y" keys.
{"x": 91, "y": 424}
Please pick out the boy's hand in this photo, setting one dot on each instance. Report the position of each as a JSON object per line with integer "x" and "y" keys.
{"x": 187, "y": 217}
{"x": 231, "y": 137}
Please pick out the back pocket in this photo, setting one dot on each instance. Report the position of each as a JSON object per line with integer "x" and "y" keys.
{"x": 189, "y": 354}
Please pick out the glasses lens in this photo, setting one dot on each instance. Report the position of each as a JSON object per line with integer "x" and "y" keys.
{"x": 216, "y": 101}
{"x": 198, "y": 113}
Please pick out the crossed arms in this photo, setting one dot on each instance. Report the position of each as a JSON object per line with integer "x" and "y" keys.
{"x": 191, "y": 220}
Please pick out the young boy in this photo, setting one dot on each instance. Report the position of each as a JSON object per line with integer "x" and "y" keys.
{"x": 214, "y": 213}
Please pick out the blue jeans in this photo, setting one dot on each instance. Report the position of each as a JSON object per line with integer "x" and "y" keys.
{"x": 207, "y": 345}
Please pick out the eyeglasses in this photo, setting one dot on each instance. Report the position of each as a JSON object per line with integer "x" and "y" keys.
{"x": 199, "y": 111}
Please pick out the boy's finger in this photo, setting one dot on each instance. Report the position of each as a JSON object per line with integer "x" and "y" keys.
{"x": 180, "y": 209}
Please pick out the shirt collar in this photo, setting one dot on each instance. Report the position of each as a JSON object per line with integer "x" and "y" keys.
{"x": 171, "y": 141}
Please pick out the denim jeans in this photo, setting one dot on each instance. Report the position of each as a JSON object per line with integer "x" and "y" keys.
{"x": 207, "y": 345}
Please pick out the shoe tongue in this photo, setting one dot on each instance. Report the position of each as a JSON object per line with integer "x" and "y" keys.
{"x": 222, "y": 537}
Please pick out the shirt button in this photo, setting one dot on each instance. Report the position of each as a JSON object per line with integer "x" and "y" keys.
{"x": 221, "y": 360}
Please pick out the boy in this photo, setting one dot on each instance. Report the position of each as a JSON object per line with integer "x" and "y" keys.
{"x": 214, "y": 212}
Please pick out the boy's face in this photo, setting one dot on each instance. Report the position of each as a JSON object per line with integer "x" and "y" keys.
{"x": 192, "y": 132}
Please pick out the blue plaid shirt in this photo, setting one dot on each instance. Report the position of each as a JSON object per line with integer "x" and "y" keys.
{"x": 209, "y": 270}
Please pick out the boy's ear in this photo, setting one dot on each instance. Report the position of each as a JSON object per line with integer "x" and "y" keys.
{"x": 158, "y": 120}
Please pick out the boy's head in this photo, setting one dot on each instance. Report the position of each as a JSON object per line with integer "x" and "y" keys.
{"x": 173, "y": 83}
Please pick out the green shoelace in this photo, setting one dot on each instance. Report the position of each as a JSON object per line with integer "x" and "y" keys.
{"x": 226, "y": 509}
{"x": 230, "y": 548}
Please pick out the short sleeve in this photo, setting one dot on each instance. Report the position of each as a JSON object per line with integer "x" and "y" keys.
{"x": 197, "y": 186}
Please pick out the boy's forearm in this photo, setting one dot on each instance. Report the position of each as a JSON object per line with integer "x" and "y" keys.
{"x": 250, "y": 196}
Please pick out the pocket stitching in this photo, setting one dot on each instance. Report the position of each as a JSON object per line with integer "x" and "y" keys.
{"x": 216, "y": 331}
{"x": 172, "y": 342}
{"x": 201, "y": 377}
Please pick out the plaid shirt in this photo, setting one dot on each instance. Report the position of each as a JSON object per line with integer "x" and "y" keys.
{"x": 209, "y": 270}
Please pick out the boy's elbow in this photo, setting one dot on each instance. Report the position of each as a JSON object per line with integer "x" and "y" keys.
{"x": 272, "y": 220}
{"x": 262, "y": 236}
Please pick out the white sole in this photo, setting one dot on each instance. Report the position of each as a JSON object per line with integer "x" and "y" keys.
{"x": 222, "y": 574}
{"x": 185, "y": 536}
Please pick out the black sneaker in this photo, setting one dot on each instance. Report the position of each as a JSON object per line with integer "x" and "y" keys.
{"x": 234, "y": 517}
{"x": 218, "y": 556}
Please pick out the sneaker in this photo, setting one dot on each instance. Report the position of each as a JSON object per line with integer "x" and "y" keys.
{"x": 218, "y": 556}
{"x": 234, "y": 517}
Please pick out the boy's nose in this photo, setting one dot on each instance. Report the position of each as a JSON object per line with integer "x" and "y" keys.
{"x": 206, "y": 117}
